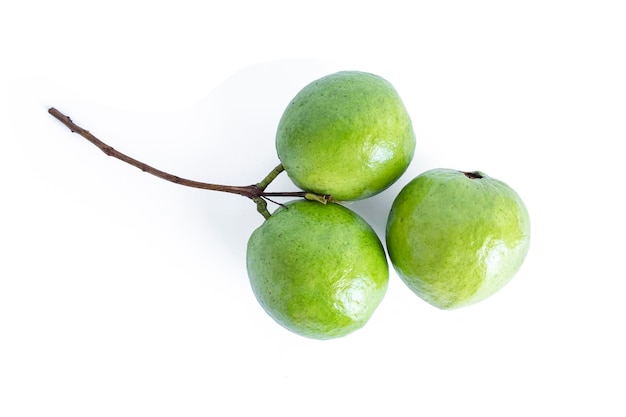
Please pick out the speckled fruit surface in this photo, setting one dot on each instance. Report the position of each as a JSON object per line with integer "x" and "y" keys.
{"x": 347, "y": 134}
{"x": 456, "y": 238}
{"x": 318, "y": 270}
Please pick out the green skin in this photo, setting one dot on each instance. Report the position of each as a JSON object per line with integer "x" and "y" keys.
{"x": 456, "y": 238}
{"x": 347, "y": 134}
{"x": 318, "y": 270}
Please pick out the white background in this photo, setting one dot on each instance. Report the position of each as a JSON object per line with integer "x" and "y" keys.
{"x": 125, "y": 295}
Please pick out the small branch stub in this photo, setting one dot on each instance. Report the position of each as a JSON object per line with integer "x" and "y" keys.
{"x": 255, "y": 192}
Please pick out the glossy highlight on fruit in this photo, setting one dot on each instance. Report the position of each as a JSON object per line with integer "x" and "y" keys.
{"x": 455, "y": 238}
{"x": 318, "y": 270}
{"x": 347, "y": 134}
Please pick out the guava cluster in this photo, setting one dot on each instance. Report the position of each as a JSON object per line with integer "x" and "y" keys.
{"x": 320, "y": 270}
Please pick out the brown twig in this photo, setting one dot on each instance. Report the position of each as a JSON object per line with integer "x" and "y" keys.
{"x": 255, "y": 192}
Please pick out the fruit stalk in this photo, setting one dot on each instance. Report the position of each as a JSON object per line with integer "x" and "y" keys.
{"x": 255, "y": 192}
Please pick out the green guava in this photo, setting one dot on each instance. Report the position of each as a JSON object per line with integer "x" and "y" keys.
{"x": 318, "y": 270}
{"x": 455, "y": 238}
{"x": 347, "y": 134}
